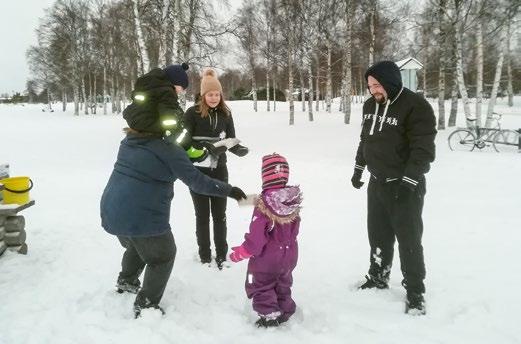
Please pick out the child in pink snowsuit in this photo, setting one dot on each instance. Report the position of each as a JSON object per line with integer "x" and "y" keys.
{"x": 271, "y": 244}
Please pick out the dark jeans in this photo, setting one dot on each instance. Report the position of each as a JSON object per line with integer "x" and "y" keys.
{"x": 203, "y": 205}
{"x": 155, "y": 254}
{"x": 389, "y": 219}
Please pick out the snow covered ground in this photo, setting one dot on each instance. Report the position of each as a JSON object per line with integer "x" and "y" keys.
{"x": 62, "y": 291}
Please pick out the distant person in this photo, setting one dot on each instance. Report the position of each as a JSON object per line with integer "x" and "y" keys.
{"x": 209, "y": 123}
{"x": 135, "y": 205}
{"x": 397, "y": 146}
{"x": 271, "y": 244}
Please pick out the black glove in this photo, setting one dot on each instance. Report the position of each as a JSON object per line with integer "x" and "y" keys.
{"x": 239, "y": 150}
{"x": 404, "y": 191}
{"x": 215, "y": 151}
{"x": 237, "y": 194}
{"x": 356, "y": 179}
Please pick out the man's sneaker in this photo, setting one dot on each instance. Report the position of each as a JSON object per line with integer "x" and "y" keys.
{"x": 144, "y": 303}
{"x": 265, "y": 322}
{"x": 415, "y": 304}
{"x": 373, "y": 282}
{"x": 123, "y": 285}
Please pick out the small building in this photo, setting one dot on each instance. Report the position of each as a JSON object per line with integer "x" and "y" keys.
{"x": 408, "y": 68}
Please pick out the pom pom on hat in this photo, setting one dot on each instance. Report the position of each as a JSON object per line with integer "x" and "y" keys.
{"x": 209, "y": 81}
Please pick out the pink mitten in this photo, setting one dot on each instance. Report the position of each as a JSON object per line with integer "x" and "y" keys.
{"x": 239, "y": 253}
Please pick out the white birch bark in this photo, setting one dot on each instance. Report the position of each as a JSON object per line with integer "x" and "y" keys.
{"x": 461, "y": 80}
{"x": 310, "y": 86}
{"x": 347, "y": 86}
{"x": 317, "y": 82}
{"x": 144, "y": 62}
{"x": 372, "y": 31}
{"x": 163, "y": 39}
{"x": 497, "y": 78}
{"x": 479, "y": 71}
{"x": 329, "y": 87}
{"x": 291, "y": 49}
{"x": 302, "y": 88}
{"x": 453, "y": 102}
{"x": 510, "y": 88}
{"x": 84, "y": 95}
{"x": 104, "y": 90}
{"x": 76, "y": 98}
{"x": 442, "y": 42}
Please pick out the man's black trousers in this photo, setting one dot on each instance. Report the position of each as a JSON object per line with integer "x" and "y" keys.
{"x": 390, "y": 219}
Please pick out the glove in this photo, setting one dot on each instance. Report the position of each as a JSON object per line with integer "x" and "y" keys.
{"x": 239, "y": 253}
{"x": 404, "y": 191}
{"x": 356, "y": 179}
{"x": 237, "y": 194}
{"x": 239, "y": 150}
{"x": 215, "y": 151}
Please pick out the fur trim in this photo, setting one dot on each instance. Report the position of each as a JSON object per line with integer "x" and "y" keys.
{"x": 259, "y": 204}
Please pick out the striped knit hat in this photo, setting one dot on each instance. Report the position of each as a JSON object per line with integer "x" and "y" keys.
{"x": 275, "y": 171}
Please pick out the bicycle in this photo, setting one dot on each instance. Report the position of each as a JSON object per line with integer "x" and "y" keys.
{"x": 502, "y": 140}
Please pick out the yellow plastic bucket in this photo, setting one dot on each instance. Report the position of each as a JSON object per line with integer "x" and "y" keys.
{"x": 16, "y": 190}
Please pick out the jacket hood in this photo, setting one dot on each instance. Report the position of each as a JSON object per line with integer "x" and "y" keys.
{"x": 154, "y": 79}
{"x": 388, "y": 74}
{"x": 281, "y": 205}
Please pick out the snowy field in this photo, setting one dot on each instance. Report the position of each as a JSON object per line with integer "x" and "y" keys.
{"x": 63, "y": 290}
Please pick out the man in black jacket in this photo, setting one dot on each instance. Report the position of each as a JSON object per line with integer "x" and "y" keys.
{"x": 397, "y": 146}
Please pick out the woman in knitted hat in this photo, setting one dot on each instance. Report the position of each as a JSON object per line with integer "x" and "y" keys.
{"x": 209, "y": 124}
{"x": 271, "y": 244}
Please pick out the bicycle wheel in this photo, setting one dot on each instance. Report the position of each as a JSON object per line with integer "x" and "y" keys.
{"x": 462, "y": 140}
{"x": 506, "y": 141}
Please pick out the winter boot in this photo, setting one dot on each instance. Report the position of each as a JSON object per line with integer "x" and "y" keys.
{"x": 265, "y": 322}
{"x": 220, "y": 262}
{"x": 143, "y": 302}
{"x": 415, "y": 304}
{"x": 206, "y": 260}
{"x": 374, "y": 282}
{"x": 122, "y": 285}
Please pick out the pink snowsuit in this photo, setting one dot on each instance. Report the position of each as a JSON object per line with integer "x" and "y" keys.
{"x": 272, "y": 242}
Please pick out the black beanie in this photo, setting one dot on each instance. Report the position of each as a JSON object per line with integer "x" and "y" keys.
{"x": 176, "y": 74}
{"x": 388, "y": 75}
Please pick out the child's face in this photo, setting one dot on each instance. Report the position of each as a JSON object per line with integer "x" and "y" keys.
{"x": 212, "y": 98}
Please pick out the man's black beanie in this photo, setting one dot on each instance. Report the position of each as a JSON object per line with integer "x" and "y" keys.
{"x": 388, "y": 75}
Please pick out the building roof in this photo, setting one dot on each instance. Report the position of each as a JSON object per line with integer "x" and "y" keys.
{"x": 409, "y": 63}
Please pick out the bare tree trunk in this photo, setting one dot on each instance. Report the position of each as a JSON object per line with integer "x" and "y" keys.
{"x": 163, "y": 40}
{"x": 104, "y": 90}
{"x": 497, "y": 78}
{"x": 479, "y": 74}
{"x": 317, "y": 88}
{"x": 275, "y": 89}
{"x": 347, "y": 86}
{"x": 64, "y": 100}
{"x": 329, "y": 89}
{"x": 461, "y": 81}
{"x": 95, "y": 99}
{"x": 76, "y": 97}
{"x": 510, "y": 88}
{"x": 442, "y": 42}
{"x": 310, "y": 87}
{"x": 84, "y": 95}
{"x": 454, "y": 102}
{"x": 372, "y": 20}
{"x": 144, "y": 62}
{"x": 291, "y": 49}
{"x": 254, "y": 89}
{"x": 268, "y": 85}
{"x": 302, "y": 88}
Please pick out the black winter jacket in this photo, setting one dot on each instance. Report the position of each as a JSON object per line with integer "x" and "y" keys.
{"x": 397, "y": 143}
{"x": 216, "y": 126}
{"x": 152, "y": 98}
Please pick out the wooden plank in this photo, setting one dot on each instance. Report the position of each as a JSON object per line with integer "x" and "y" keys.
{"x": 12, "y": 209}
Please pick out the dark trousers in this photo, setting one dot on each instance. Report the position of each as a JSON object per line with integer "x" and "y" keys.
{"x": 203, "y": 205}
{"x": 156, "y": 255}
{"x": 389, "y": 219}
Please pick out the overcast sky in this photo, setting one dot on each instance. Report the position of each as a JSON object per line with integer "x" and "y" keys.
{"x": 18, "y": 22}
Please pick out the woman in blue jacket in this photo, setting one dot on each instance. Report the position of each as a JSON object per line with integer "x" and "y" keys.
{"x": 136, "y": 202}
